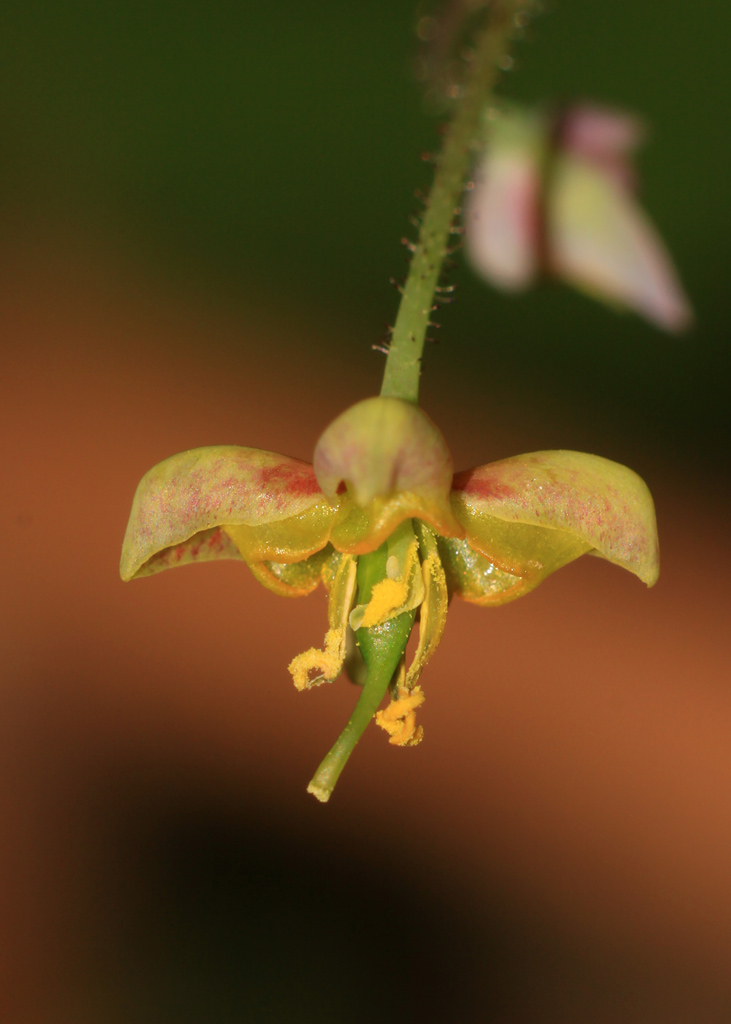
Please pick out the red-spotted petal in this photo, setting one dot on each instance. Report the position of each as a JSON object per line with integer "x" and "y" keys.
{"x": 224, "y": 502}
{"x": 528, "y": 512}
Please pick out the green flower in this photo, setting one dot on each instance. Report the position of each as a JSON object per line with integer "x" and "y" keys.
{"x": 382, "y": 522}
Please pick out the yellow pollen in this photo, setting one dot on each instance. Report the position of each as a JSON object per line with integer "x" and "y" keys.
{"x": 401, "y": 590}
{"x": 386, "y": 597}
{"x": 399, "y": 718}
{"x": 327, "y": 663}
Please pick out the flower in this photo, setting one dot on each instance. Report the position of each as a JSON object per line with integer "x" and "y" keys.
{"x": 555, "y": 194}
{"x": 382, "y": 483}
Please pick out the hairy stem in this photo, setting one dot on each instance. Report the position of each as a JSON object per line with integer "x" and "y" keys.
{"x": 403, "y": 365}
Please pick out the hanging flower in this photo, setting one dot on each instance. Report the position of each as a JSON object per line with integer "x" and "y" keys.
{"x": 555, "y": 195}
{"x": 382, "y": 482}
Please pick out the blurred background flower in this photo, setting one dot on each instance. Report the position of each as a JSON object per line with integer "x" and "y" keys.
{"x": 201, "y": 205}
{"x": 555, "y": 194}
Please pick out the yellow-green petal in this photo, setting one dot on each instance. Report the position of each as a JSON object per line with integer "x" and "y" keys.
{"x": 475, "y": 578}
{"x": 224, "y": 502}
{"x": 381, "y": 462}
{"x": 533, "y": 513}
{"x": 292, "y": 579}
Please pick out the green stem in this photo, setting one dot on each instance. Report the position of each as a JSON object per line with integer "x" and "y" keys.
{"x": 403, "y": 365}
{"x": 382, "y": 648}
{"x": 376, "y": 685}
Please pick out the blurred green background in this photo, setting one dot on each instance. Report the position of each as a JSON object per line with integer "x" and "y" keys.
{"x": 273, "y": 150}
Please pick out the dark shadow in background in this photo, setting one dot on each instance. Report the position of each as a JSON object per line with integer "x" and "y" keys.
{"x": 227, "y": 914}
{"x": 233, "y": 917}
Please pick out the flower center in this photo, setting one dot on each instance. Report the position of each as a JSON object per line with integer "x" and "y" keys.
{"x": 402, "y": 577}
{"x": 402, "y": 587}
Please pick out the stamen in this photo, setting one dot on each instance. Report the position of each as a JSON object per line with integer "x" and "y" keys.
{"x": 383, "y": 652}
{"x": 401, "y": 590}
{"x": 399, "y": 718}
{"x": 326, "y": 663}
{"x": 382, "y": 649}
{"x": 388, "y": 599}
{"x": 433, "y": 612}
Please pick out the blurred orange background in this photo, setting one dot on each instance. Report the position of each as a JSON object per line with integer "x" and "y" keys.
{"x": 558, "y": 848}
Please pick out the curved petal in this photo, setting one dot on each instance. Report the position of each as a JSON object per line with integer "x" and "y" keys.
{"x": 206, "y": 546}
{"x": 292, "y": 579}
{"x": 601, "y": 241}
{"x": 503, "y": 209}
{"x": 359, "y": 530}
{"x": 533, "y": 513}
{"x": 224, "y": 502}
{"x": 380, "y": 462}
{"x": 502, "y": 230}
{"x": 475, "y": 578}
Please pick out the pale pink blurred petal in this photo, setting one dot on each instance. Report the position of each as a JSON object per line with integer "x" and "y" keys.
{"x": 601, "y": 241}
{"x": 589, "y": 128}
{"x": 604, "y": 137}
{"x": 502, "y": 219}
{"x": 560, "y": 200}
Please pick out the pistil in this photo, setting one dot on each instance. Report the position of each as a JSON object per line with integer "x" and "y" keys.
{"x": 383, "y": 648}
